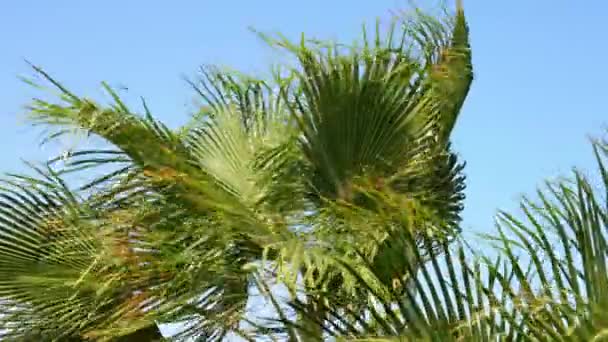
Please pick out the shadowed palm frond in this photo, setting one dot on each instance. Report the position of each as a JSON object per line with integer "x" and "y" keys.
{"x": 366, "y": 109}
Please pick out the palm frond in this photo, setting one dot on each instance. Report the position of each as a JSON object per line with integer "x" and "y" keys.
{"x": 340, "y": 175}
{"x": 367, "y": 108}
{"x": 50, "y": 252}
{"x": 70, "y": 270}
{"x": 435, "y": 297}
{"x": 244, "y": 137}
{"x": 564, "y": 236}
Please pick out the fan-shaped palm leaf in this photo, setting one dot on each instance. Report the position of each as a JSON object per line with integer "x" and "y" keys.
{"x": 165, "y": 234}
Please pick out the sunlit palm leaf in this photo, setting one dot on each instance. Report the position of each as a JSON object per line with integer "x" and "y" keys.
{"x": 564, "y": 238}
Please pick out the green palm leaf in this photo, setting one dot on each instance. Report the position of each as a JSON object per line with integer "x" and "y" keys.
{"x": 564, "y": 235}
{"x": 331, "y": 175}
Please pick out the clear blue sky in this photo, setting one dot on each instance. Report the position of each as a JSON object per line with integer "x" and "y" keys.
{"x": 540, "y": 89}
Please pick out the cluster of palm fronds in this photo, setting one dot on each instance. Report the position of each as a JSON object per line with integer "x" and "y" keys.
{"x": 548, "y": 282}
{"x": 335, "y": 180}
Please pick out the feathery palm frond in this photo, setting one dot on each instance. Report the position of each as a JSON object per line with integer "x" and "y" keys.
{"x": 564, "y": 238}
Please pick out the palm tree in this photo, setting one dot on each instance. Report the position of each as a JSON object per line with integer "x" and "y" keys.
{"x": 548, "y": 282}
{"x": 335, "y": 173}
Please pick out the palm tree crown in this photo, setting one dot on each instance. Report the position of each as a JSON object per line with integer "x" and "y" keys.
{"x": 335, "y": 179}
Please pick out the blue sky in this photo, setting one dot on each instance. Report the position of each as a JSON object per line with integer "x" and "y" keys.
{"x": 540, "y": 85}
